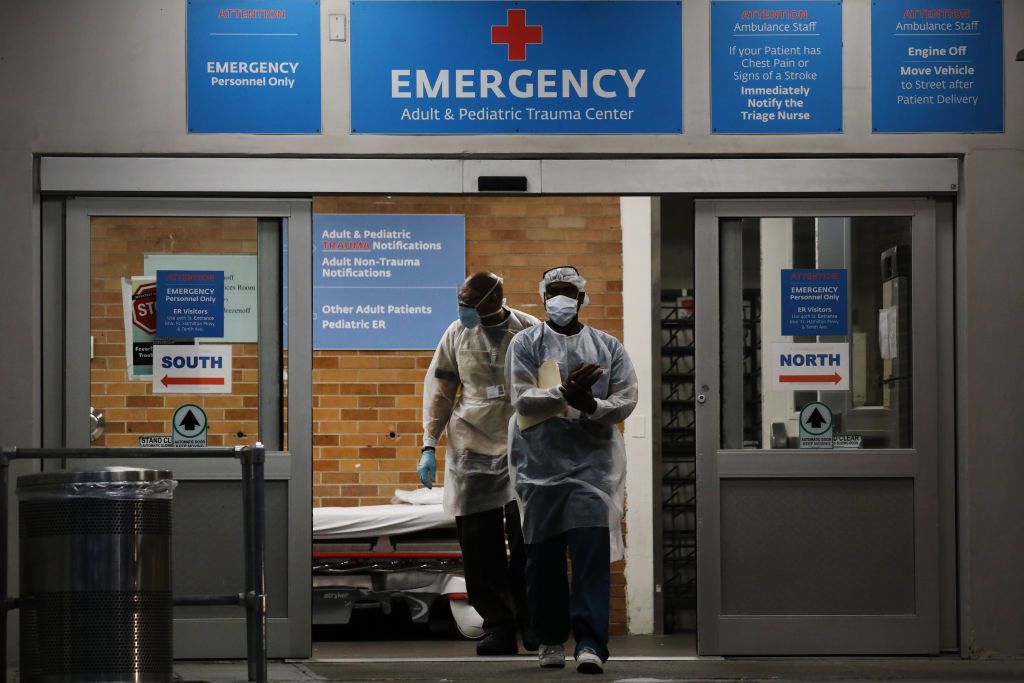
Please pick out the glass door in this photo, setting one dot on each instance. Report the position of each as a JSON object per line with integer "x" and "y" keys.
{"x": 174, "y": 333}
{"x": 817, "y": 437}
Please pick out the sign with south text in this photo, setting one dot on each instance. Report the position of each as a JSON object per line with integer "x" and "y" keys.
{"x": 253, "y": 68}
{"x": 807, "y": 367}
{"x": 199, "y": 369}
{"x": 385, "y": 281}
{"x": 777, "y": 67}
{"x": 550, "y": 67}
{"x": 937, "y": 66}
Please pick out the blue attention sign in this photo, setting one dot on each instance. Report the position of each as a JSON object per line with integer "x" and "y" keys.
{"x": 254, "y": 70}
{"x": 385, "y": 281}
{"x": 480, "y": 67}
{"x": 777, "y": 67}
{"x": 815, "y": 302}
{"x": 937, "y": 67}
{"x": 189, "y": 303}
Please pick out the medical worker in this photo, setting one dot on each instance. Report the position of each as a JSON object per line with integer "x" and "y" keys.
{"x": 571, "y": 385}
{"x": 465, "y": 392}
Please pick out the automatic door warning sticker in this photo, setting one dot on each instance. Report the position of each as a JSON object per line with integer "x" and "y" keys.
{"x": 189, "y": 424}
{"x": 816, "y": 426}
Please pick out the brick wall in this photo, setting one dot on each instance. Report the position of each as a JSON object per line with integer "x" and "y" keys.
{"x": 117, "y": 248}
{"x": 367, "y": 406}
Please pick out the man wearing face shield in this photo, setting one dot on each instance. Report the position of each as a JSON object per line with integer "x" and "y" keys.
{"x": 465, "y": 392}
{"x": 571, "y": 385}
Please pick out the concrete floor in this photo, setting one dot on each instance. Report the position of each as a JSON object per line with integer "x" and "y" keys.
{"x": 635, "y": 659}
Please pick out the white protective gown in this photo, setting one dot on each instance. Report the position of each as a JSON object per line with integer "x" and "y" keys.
{"x": 466, "y": 391}
{"x": 569, "y": 471}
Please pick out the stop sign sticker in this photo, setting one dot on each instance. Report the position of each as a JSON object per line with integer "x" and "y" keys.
{"x": 144, "y": 307}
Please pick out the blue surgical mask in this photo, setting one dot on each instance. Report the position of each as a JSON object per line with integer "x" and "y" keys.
{"x": 469, "y": 317}
{"x": 561, "y": 309}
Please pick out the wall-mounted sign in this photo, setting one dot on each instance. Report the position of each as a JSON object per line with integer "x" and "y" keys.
{"x": 190, "y": 303}
{"x": 241, "y": 287}
{"x": 481, "y": 67}
{"x": 199, "y": 369}
{"x": 815, "y": 302}
{"x": 253, "y": 67}
{"x": 777, "y": 67}
{"x": 805, "y": 367}
{"x": 385, "y": 281}
{"x": 816, "y": 426}
{"x": 937, "y": 66}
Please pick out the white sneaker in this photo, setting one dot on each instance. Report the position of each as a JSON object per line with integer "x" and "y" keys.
{"x": 588, "y": 662}
{"x": 552, "y": 657}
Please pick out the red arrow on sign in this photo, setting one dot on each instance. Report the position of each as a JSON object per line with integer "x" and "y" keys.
{"x": 801, "y": 379}
{"x": 167, "y": 381}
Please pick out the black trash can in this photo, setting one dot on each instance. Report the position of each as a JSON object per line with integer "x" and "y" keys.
{"x": 96, "y": 600}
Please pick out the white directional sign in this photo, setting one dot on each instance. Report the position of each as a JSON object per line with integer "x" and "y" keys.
{"x": 803, "y": 367}
{"x": 199, "y": 369}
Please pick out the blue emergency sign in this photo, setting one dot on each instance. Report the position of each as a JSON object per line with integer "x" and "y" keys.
{"x": 815, "y": 302}
{"x": 776, "y": 67}
{"x": 937, "y": 66}
{"x": 254, "y": 68}
{"x": 483, "y": 67}
{"x": 189, "y": 303}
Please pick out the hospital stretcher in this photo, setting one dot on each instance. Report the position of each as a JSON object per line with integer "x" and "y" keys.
{"x": 374, "y": 556}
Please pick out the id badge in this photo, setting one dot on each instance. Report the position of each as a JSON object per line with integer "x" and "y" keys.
{"x": 496, "y": 391}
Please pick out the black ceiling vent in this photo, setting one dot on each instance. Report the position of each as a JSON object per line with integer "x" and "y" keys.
{"x": 501, "y": 183}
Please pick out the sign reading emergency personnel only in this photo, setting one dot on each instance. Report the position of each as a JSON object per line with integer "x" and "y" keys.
{"x": 804, "y": 367}
{"x": 200, "y": 369}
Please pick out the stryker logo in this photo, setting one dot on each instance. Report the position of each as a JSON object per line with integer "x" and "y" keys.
{"x": 521, "y": 84}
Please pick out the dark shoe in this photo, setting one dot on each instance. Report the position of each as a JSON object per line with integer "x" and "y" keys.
{"x": 497, "y": 643}
{"x": 530, "y": 642}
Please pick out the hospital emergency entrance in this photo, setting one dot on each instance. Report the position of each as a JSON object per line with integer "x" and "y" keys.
{"x": 801, "y": 547}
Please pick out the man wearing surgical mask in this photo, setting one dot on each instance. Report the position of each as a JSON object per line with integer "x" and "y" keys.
{"x": 571, "y": 385}
{"x": 465, "y": 392}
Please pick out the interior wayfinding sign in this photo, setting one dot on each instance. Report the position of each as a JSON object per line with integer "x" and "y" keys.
{"x": 199, "y": 369}
{"x": 253, "y": 67}
{"x": 385, "y": 281}
{"x": 483, "y": 67}
{"x": 804, "y": 367}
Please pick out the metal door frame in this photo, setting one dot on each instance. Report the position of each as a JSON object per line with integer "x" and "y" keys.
{"x": 69, "y": 316}
{"x": 867, "y": 634}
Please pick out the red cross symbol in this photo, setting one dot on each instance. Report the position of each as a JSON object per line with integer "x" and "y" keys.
{"x": 516, "y": 35}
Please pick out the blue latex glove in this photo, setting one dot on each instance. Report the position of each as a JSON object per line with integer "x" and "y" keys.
{"x": 427, "y": 467}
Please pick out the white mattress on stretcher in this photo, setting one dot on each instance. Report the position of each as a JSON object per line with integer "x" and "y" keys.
{"x": 377, "y": 520}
